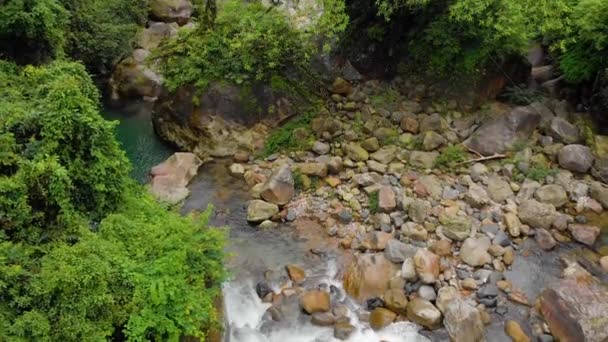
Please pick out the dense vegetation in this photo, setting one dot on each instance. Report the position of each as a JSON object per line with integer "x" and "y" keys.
{"x": 464, "y": 36}
{"x": 246, "y": 43}
{"x": 85, "y": 254}
{"x": 97, "y": 32}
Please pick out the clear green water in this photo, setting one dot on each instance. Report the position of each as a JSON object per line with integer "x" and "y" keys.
{"x": 136, "y": 135}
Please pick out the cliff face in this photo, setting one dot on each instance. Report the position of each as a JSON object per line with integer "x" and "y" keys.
{"x": 221, "y": 120}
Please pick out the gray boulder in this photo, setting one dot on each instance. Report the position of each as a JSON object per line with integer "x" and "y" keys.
{"x": 563, "y": 131}
{"x": 575, "y": 158}
{"x": 499, "y": 135}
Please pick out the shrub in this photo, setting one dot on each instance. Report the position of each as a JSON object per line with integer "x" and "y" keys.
{"x": 85, "y": 254}
{"x": 247, "y": 43}
{"x": 282, "y": 139}
{"x": 450, "y": 156}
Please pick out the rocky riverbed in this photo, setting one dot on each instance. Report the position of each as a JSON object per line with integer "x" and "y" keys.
{"x": 488, "y": 242}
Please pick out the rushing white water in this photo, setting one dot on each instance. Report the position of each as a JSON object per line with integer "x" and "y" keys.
{"x": 245, "y": 318}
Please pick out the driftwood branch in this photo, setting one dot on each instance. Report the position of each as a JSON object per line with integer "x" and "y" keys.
{"x": 482, "y": 158}
{"x": 473, "y": 151}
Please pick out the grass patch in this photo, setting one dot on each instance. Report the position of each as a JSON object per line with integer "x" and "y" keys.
{"x": 540, "y": 173}
{"x": 388, "y": 97}
{"x": 282, "y": 139}
{"x": 450, "y": 156}
{"x": 374, "y": 202}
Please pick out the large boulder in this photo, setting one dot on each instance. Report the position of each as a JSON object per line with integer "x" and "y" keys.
{"x": 423, "y": 312}
{"x": 219, "y": 121}
{"x": 552, "y": 194}
{"x": 536, "y": 214}
{"x": 258, "y": 211}
{"x": 171, "y": 10}
{"x": 279, "y": 188}
{"x": 576, "y": 158}
{"x": 576, "y": 310}
{"x": 155, "y": 34}
{"x": 369, "y": 276}
{"x": 500, "y": 134}
{"x": 563, "y": 131}
{"x": 133, "y": 79}
{"x": 170, "y": 178}
{"x": 463, "y": 322}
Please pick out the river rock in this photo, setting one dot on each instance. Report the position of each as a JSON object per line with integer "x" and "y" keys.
{"x": 258, "y": 211}
{"x": 599, "y": 193}
{"x": 477, "y": 197}
{"x": 536, "y": 214}
{"x": 279, "y": 188}
{"x": 341, "y": 86}
{"x": 455, "y": 226}
{"x": 445, "y": 296}
{"x": 474, "y": 251}
{"x": 563, "y": 131}
{"x": 499, "y": 190}
{"x": 320, "y": 148}
{"x": 343, "y": 330}
{"x": 585, "y": 234}
{"x": 418, "y": 210}
{"x": 463, "y": 322}
{"x": 428, "y": 185}
{"x": 355, "y": 152}
{"x": 396, "y": 301}
{"x": 171, "y": 10}
{"x": 552, "y": 194}
{"x": 575, "y": 158}
{"x": 386, "y": 199}
{"x": 544, "y": 239}
{"x": 423, "y": 312}
{"x": 409, "y": 124}
{"x": 515, "y": 332}
{"x": 397, "y": 251}
{"x": 380, "y": 318}
{"x": 499, "y": 134}
{"x": 323, "y": 319}
{"x": 385, "y": 155}
{"x": 408, "y": 269}
{"x": 368, "y": 276}
{"x": 432, "y": 141}
{"x": 432, "y": 122}
{"x": 513, "y": 224}
{"x": 315, "y": 301}
{"x": 371, "y": 144}
{"x": 312, "y": 169}
{"x": 295, "y": 273}
{"x": 427, "y": 266}
{"x": 423, "y": 160}
{"x": 170, "y": 178}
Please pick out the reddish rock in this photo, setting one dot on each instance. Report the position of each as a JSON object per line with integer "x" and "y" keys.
{"x": 427, "y": 266}
{"x": 544, "y": 239}
{"x": 584, "y": 233}
{"x": 386, "y": 199}
{"x": 410, "y": 124}
{"x": 368, "y": 276}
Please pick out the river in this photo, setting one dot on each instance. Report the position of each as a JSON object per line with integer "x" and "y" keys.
{"x": 251, "y": 252}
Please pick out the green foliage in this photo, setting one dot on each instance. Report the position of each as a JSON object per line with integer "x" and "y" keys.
{"x": 585, "y": 49}
{"x": 101, "y": 32}
{"x": 32, "y": 31}
{"x": 248, "y": 43}
{"x": 539, "y": 172}
{"x": 463, "y": 37}
{"x": 85, "y": 254}
{"x": 520, "y": 96}
{"x": 283, "y": 140}
{"x": 387, "y": 98}
{"x": 373, "y": 202}
{"x": 450, "y": 156}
